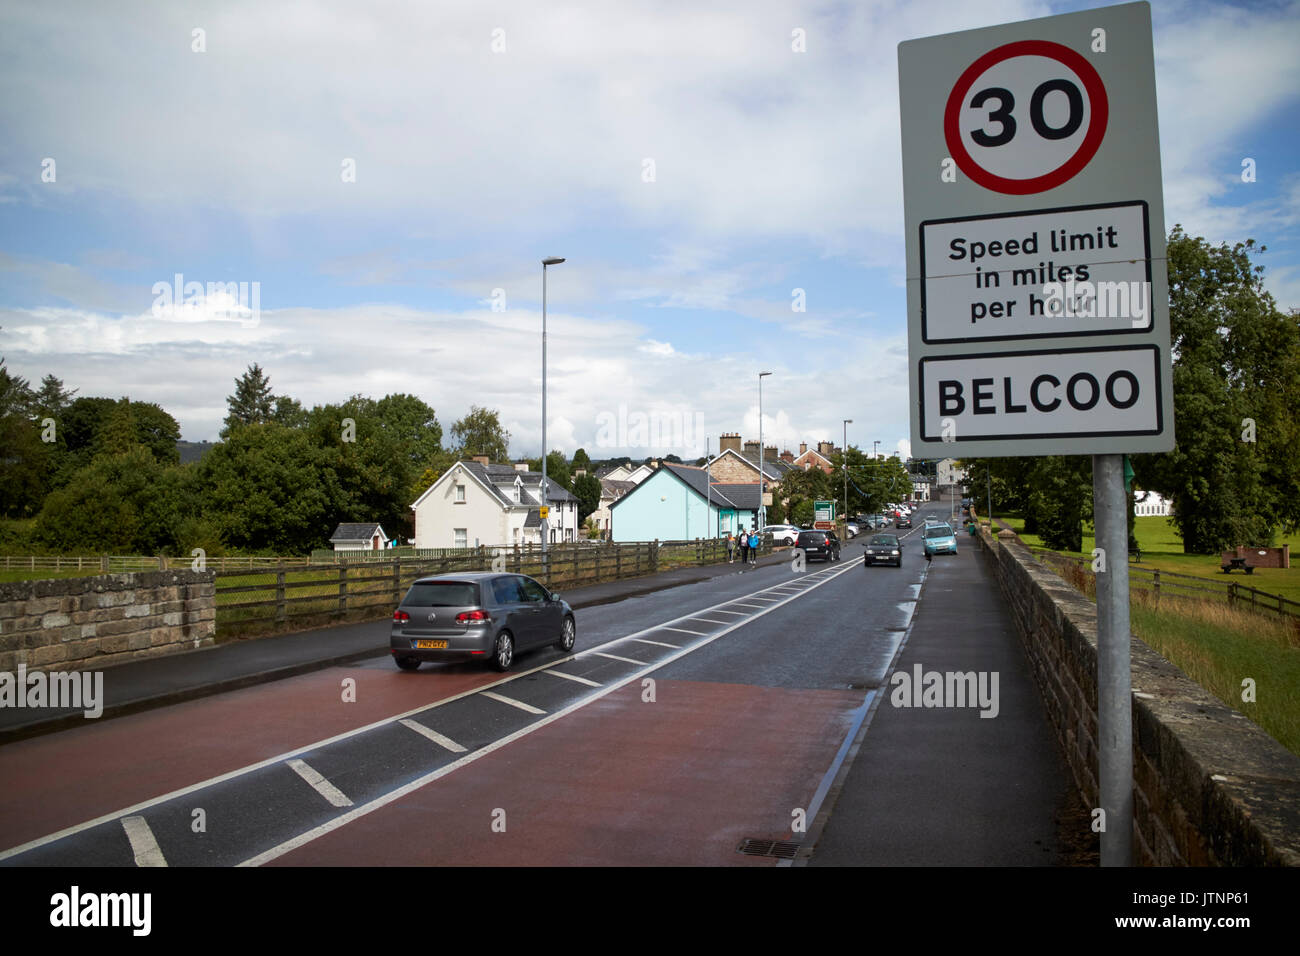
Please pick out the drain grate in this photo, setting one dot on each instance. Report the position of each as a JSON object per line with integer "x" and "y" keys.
{"x": 782, "y": 849}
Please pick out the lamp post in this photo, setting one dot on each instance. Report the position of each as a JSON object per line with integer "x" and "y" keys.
{"x": 549, "y": 261}
{"x": 762, "y": 511}
{"x": 873, "y": 448}
{"x": 844, "y": 466}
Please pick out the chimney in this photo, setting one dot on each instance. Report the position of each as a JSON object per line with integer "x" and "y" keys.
{"x": 770, "y": 453}
{"x": 826, "y": 448}
{"x": 751, "y": 446}
{"x": 803, "y": 448}
{"x": 482, "y": 459}
{"x": 729, "y": 440}
{"x": 787, "y": 457}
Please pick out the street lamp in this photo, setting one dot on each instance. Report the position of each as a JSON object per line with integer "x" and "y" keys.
{"x": 549, "y": 261}
{"x": 762, "y": 511}
{"x": 873, "y": 448}
{"x": 844, "y": 466}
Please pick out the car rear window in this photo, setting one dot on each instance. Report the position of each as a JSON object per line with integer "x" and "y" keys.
{"x": 442, "y": 594}
{"x": 812, "y": 537}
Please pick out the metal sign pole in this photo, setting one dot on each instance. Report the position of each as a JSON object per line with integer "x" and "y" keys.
{"x": 1114, "y": 668}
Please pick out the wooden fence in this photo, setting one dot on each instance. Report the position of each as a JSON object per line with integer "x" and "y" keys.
{"x": 1171, "y": 583}
{"x": 273, "y": 595}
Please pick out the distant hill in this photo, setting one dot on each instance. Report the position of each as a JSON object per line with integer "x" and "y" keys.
{"x": 193, "y": 450}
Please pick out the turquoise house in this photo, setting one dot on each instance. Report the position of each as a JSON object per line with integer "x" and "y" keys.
{"x": 677, "y": 503}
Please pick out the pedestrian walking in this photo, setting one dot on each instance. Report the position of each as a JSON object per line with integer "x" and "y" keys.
{"x": 731, "y": 548}
{"x": 753, "y": 548}
{"x": 742, "y": 544}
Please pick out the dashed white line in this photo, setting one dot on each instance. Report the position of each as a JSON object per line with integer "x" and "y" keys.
{"x": 512, "y": 702}
{"x": 747, "y": 604}
{"x": 322, "y": 786}
{"x": 642, "y": 640}
{"x": 682, "y": 630}
{"x": 574, "y": 677}
{"x": 433, "y": 735}
{"x": 143, "y": 844}
{"x": 719, "y": 610}
{"x": 708, "y": 620}
{"x": 615, "y": 657}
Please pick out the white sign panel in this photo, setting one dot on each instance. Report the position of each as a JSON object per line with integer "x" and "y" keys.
{"x": 1076, "y": 271}
{"x": 1043, "y": 394}
{"x": 1035, "y": 239}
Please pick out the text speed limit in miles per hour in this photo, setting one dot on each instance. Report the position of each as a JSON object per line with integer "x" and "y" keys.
{"x": 1026, "y": 117}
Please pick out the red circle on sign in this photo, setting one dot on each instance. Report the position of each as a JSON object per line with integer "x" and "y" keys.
{"x": 1097, "y": 104}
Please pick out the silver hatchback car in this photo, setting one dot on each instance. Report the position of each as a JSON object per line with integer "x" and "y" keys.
{"x": 478, "y": 616}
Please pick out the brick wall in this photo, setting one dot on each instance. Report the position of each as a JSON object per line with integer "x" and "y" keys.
{"x": 80, "y": 623}
{"x": 1210, "y": 787}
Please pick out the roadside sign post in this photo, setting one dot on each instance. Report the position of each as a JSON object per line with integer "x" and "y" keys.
{"x": 1037, "y": 290}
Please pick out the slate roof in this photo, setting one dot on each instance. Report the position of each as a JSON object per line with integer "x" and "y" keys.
{"x": 500, "y": 478}
{"x": 356, "y": 531}
{"x": 743, "y": 497}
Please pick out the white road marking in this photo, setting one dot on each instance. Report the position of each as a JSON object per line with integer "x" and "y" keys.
{"x": 513, "y": 703}
{"x": 684, "y": 630}
{"x": 721, "y": 610}
{"x": 322, "y": 786}
{"x": 433, "y": 735}
{"x": 329, "y": 826}
{"x": 642, "y": 640}
{"x": 615, "y": 657}
{"x": 580, "y": 680}
{"x": 708, "y": 620}
{"x": 143, "y": 844}
{"x": 382, "y": 722}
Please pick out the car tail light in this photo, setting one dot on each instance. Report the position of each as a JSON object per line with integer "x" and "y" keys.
{"x": 401, "y": 617}
{"x": 470, "y": 617}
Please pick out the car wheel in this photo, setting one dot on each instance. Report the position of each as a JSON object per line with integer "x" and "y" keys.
{"x": 569, "y": 636}
{"x": 503, "y": 654}
{"x": 407, "y": 663}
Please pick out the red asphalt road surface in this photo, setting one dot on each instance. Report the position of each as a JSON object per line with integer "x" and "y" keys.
{"x": 63, "y": 779}
{"x": 680, "y": 781}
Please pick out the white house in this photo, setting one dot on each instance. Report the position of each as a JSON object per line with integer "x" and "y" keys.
{"x": 475, "y": 503}
{"x": 947, "y": 472}
{"x": 627, "y": 472}
{"x": 1149, "y": 503}
{"x": 359, "y": 536}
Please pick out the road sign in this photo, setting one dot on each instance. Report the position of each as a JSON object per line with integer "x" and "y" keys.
{"x": 824, "y": 511}
{"x": 544, "y": 512}
{"x": 1037, "y": 291}
{"x": 823, "y": 525}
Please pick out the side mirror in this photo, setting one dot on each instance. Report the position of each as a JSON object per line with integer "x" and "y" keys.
{"x": 555, "y": 597}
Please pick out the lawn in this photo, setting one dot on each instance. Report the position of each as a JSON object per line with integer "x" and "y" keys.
{"x": 1163, "y": 549}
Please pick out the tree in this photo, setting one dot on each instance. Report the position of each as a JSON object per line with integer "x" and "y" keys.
{"x": 581, "y": 460}
{"x": 52, "y": 398}
{"x": 586, "y": 488}
{"x": 252, "y": 403}
{"x": 24, "y": 457}
{"x": 480, "y": 433}
{"x": 1233, "y": 476}
{"x": 557, "y": 470}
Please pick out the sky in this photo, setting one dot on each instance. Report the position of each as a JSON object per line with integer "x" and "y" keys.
{"x": 384, "y": 180}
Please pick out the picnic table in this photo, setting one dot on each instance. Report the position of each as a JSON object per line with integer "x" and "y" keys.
{"x": 1237, "y": 564}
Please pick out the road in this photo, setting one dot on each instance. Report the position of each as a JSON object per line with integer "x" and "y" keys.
{"x": 687, "y": 722}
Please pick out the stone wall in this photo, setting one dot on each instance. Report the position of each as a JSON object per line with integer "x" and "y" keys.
{"x": 92, "y": 622}
{"x": 1210, "y": 787}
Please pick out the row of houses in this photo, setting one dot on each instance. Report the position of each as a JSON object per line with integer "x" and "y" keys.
{"x": 477, "y": 503}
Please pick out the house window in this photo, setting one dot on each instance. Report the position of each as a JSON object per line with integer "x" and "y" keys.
{"x": 461, "y": 537}
{"x": 460, "y": 494}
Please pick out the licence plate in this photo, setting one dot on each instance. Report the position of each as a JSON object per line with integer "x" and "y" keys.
{"x": 431, "y": 645}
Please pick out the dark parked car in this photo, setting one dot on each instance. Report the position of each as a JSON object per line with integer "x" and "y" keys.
{"x": 884, "y": 549}
{"x": 904, "y": 520}
{"x": 478, "y": 616}
{"x": 819, "y": 545}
